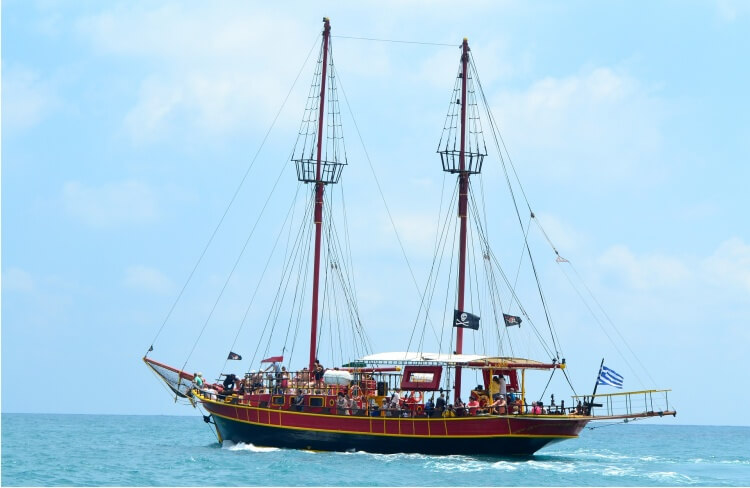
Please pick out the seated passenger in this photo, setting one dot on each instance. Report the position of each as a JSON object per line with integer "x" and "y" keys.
{"x": 473, "y": 405}
{"x": 499, "y": 406}
{"x": 449, "y": 412}
{"x": 537, "y": 408}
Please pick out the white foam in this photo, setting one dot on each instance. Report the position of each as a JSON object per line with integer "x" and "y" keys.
{"x": 231, "y": 446}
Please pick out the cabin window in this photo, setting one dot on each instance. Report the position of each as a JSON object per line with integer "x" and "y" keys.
{"x": 316, "y": 401}
{"x": 277, "y": 400}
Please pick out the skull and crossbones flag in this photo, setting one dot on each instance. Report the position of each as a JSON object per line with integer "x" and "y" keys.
{"x": 511, "y": 320}
{"x": 465, "y": 320}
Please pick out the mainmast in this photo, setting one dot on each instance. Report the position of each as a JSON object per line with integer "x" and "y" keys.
{"x": 466, "y": 159}
{"x": 319, "y": 160}
{"x": 463, "y": 195}
{"x": 319, "y": 188}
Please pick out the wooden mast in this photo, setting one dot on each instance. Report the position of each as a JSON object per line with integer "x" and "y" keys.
{"x": 319, "y": 187}
{"x": 463, "y": 193}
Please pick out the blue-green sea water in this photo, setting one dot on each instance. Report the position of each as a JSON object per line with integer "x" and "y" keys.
{"x": 102, "y": 450}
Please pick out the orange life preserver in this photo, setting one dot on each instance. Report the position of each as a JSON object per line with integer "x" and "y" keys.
{"x": 417, "y": 396}
{"x": 356, "y": 392}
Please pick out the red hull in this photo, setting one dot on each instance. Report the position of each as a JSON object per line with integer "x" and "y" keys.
{"x": 497, "y": 434}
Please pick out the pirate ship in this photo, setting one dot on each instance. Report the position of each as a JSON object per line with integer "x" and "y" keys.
{"x": 409, "y": 401}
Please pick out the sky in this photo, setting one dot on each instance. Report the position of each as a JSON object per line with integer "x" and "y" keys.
{"x": 127, "y": 127}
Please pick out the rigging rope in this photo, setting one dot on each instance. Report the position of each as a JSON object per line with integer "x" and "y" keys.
{"x": 236, "y": 192}
{"x": 426, "y": 43}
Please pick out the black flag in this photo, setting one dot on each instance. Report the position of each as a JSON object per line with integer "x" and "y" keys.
{"x": 234, "y": 355}
{"x": 465, "y": 319}
{"x": 511, "y": 320}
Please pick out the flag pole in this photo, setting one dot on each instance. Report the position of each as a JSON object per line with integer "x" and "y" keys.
{"x": 596, "y": 384}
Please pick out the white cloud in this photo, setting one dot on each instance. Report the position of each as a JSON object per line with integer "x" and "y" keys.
{"x": 111, "y": 204}
{"x": 645, "y": 272}
{"x": 602, "y": 122}
{"x": 729, "y": 10}
{"x": 726, "y": 271}
{"x": 148, "y": 279}
{"x": 729, "y": 265}
{"x": 27, "y": 98}
{"x": 16, "y": 279}
{"x": 214, "y": 68}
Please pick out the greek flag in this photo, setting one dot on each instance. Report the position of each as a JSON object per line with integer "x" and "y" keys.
{"x": 609, "y": 377}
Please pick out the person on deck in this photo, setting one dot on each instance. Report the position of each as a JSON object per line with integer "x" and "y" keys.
{"x": 499, "y": 406}
{"x": 198, "y": 380}
{"x": 449, "y": 412}
{"x": 229, "y": 383}
{"x": 318, "y": 373}
{"x": 473, "y": 405}
{"x": 460, "y": 408}
{"x": 298, "y": 401}
{"x": 429, "y": 407}
{"x": 342, "y": 404}
{"x": 494, "y": 387}
{"x": 503, "y": 386}
{"x": 440, "y": 404}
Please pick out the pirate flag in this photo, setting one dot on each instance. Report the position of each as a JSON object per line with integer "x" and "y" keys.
{"x": 465, "y": 320}
{"x": 511, "y": 320}
{"x": 234, "y": 355}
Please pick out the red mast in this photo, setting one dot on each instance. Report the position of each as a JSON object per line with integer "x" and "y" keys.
{"x": 463, "y": 193}
{"x": 319, "y": 187}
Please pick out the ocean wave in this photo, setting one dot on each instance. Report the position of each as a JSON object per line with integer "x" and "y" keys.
{"x": 670, "y": 476}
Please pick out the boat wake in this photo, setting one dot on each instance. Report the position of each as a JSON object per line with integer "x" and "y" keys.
{"x": 231, "y": 446}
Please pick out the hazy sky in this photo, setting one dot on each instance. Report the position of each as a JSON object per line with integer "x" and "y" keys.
{"x": 127, "y": 126}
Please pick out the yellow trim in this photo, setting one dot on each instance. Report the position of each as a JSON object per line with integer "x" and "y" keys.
{"x": 398, "y": 419}
{"x": 397, "y": 435}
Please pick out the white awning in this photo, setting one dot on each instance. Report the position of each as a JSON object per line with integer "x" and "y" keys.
{"x": 412, "y": 357}
{"x": 426, "y": 358}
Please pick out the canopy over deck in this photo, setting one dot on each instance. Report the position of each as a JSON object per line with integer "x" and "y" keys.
{"x": 466, "y": 360}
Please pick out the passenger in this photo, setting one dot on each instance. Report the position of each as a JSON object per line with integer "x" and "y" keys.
{"x": 429, "y": 407}
{"x": 284, "y": 378}
{"x": 579, "y": 408}
{"x": 298, "y": 401}
{"x": 517, "y": 405}
{"x": 449, "y": 412}
{"x": 460, "y": 408}
{"x": 473, "y": 405}
{"x": 352, "y": 407}
{"x": 229, "y": 383}
{"x": 440, "y": 404}
{"x": 396, "y": 399}
{"x": 494, "y": 387}
{"x": 537, "y": 408}
{"x": 511, "y": 396}
{"x": 198, "y": 380}
{"x": 503, "y": 386}
{"x": 499, "y": 406}
{"x": 318, "y": 373}
{"x": 342, "y": 404}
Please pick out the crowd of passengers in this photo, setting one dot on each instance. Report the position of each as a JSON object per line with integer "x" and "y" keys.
{"x": 498, "y": 400}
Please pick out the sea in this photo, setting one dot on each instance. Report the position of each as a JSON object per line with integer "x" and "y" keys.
{"x": 114, "y": 450}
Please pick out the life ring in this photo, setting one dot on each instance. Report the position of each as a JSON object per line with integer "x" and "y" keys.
{"x": 356, "y": 392}
{"x": 417, "y": 396}
{"x": 331, "y": 402}
{"x": 419, "y": 409}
